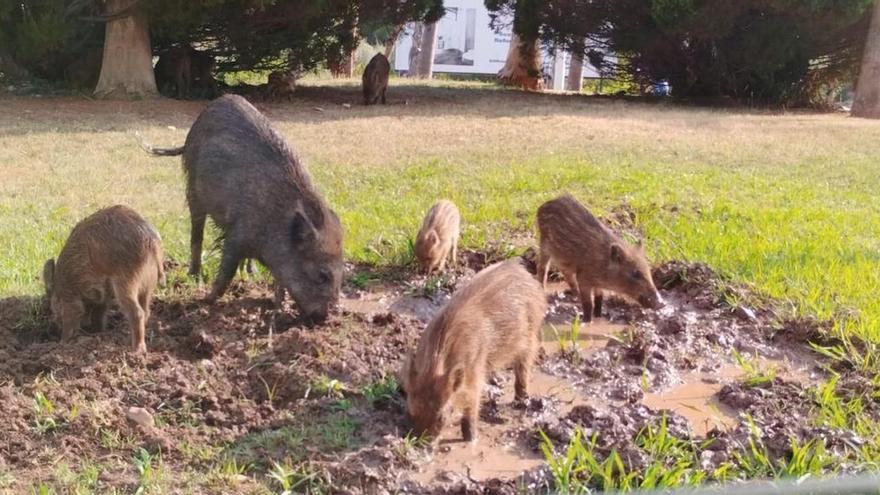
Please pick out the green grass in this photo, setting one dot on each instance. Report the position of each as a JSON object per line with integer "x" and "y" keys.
{"x": 786, "y": 203}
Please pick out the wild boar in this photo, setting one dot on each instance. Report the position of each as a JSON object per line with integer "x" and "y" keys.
{"x": 112, "y": 254}
{"x": 281, "y": 85}
{"x": 375, "y": 79}
{"x": 438, "y": 236}
{"x": 202, "y": 82}
{"x": 174, "y": 71}
{"x": 591, "y": 257}
{"x": 241, "y": 173}
{"x": 491, "y": 323}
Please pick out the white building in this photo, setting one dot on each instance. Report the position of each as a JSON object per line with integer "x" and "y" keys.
{"x": 467, "y": 44}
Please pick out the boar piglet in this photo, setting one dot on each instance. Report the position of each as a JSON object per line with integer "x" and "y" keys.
{"x": 591, "y": 257}
{"x": 492, "y": 323}
{"x": 438, "y": 236}
{"x": 375, "y": 79}
{"x": 112, "y": 254}
{"x": 241, "y": 173}
{"x": 282, "y": 84}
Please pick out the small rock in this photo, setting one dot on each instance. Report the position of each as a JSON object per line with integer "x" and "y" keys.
{"x": 346, "y": 105}
{"x": 745, "y": 313}
{"x": 141, "y": 417}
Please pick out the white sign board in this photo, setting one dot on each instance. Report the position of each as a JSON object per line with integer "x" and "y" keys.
{"x": 465, "y": 42}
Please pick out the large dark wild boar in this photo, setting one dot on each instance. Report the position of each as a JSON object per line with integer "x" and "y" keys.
{"x": 591, "y": 256}
{"x": 242, "y": 173}
{"x": 438, "y": 236}
{"x": 173, "y": 71}
{"x": 112, "y": 254}
{"x": 490, "y": 324}
{"x": 375, "y": 79}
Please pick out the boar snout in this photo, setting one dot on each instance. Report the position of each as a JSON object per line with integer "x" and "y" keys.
{"x": 652, "y": 300}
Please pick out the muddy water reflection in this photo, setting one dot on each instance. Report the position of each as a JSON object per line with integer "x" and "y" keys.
{"x": 499, "y": 451}
{"x": 696, "y": 400}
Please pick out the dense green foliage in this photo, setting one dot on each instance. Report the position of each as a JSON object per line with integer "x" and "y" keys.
{"x": 756, "y": 50}
{"x": 49, "y": 36}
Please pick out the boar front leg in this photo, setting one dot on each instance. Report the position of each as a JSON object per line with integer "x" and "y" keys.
{"x": 597, "y": 303}
{"x": 471, "y": 415}
{"x": 228, "y": 265}
{"x": 71, "y": 318}
{"x": 127, "y": 297}
{"x": 585, "y": 287}
{"x": 98, "y": 317}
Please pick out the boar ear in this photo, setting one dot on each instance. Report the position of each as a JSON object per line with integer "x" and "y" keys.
{"x": 49, "y": 275}
{"x": 433, "y": 237}
{"x": 301, "y": 229}
{"x": 616, "y": 253}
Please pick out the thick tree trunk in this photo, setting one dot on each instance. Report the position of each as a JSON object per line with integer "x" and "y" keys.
{"x": 127, "y": 66}
{"x": 575, "y": 81}
{"x": 9, "y": 68}
{"x": 867, "y": 99}
{"x": 424, "y": 64}
{"x": 523, "y": 66}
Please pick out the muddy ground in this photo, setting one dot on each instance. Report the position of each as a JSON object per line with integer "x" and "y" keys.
{"x": 244, "y": 384}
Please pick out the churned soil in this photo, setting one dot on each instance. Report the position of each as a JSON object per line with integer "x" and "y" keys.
{"x": 245, "y": 381}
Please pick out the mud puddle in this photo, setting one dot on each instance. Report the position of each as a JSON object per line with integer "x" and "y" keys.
{"x": 242, "y": 371}
{"x": 502, "y": 449}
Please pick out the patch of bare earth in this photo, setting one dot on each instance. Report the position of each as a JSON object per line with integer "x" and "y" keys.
{"x": 249, "y": 382}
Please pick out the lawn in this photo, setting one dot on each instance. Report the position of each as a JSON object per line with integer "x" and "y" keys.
{"x": 784, "y": 202}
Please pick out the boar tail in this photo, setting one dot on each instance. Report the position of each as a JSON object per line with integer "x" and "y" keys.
{"x": 159, "y": 151}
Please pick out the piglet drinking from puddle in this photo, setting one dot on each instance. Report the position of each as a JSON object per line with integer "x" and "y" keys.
{"x": 492, "y": 323}
{"x": 112, "y": 254}
{"x": 592, "y": 257}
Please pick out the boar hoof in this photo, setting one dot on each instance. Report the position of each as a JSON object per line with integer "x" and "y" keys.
{"x": 467, "y": 431}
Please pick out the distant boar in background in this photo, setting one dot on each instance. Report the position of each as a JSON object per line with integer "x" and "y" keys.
{"x": 438, "y": 237}
{"x": 490, "y": 324}
{"x": 113, "y": 254}
{"x": 375, "y": 79}
{"x": 591, "y": 257}
{"x": 281, "y": 85}
{"x": 173, "y": 71}
{"x": 241, "y": 172}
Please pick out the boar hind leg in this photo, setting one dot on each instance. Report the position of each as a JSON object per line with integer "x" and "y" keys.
{"x": 597, "y": 303}
{"x": 572, "y": 282}
{"x": 454, "y": 248}
{"x": 197, "y": 235}
{"x": 127, "y": 298}
{"x": 522, "y": 372}
{"x": 383, "y": 95}
{"x": 543, "y": 267}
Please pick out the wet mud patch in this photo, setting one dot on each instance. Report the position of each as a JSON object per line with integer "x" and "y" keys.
{"x": 247, "y": 381}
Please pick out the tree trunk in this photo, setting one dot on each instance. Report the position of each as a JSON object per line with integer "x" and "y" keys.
{"x": 424, "y": 65}
{"x": 10, "y": 69}
{"x": 575, "y": 81}
{"x": 391, "y": 42}
{"x": 523, "y": 66}
{"x": 867, "y": 98}
{"x": 127, "y": 66}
